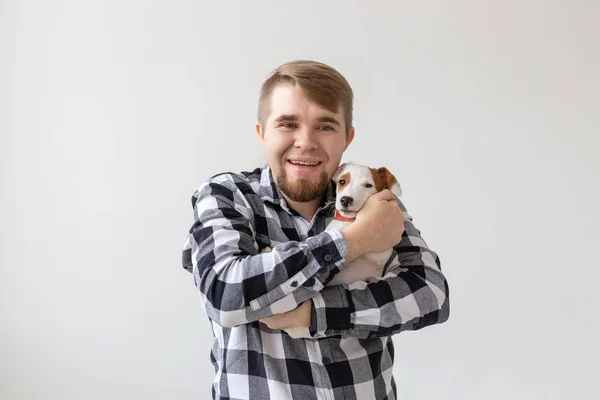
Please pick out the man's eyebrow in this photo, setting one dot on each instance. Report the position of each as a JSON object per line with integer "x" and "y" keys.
{"x": 330, "y": 120}
{"x": 287, "y": 117}
{"x": 295, "y": 117}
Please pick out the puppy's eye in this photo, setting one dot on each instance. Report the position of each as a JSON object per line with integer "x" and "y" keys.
{"x": 368, "y": 185}
{"x": 342, "y": 182}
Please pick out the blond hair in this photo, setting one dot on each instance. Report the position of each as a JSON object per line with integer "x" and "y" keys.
{"x": 319, "y": 82}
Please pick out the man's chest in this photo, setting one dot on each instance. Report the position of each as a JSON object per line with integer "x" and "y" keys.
{"x": 274, "y": 227}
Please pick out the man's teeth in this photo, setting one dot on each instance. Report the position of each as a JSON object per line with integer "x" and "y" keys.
{"x": 304, "y": 163}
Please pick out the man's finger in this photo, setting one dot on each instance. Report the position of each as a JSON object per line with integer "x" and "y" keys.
{"x": 273, "y": 321}
{"x": 268, "y": 322}
{"x": 385, "y": 194}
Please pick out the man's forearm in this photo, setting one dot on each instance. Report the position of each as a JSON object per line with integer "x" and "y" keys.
{"x": 412, "y": 294}
{"x": 239, "y": 285}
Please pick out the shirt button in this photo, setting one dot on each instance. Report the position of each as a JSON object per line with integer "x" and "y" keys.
{"x": 328, "y": 257}
{"x": 326, "y": 360}
{"x": 309, "y": 282}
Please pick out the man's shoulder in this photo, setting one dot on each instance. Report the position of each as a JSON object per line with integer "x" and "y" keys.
{"x": 228, "y": 183}
{"x": 235, "y": 177}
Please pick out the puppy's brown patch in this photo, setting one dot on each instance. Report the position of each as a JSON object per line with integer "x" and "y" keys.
{"x": 346, "y": 178}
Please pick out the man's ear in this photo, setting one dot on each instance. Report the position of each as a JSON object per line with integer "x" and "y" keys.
{"x": 349, "y": 139}
{"x": 389, "y": 181}
{"x": 260, "y": 132}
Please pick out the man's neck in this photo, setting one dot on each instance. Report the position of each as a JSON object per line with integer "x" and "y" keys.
{"x": 307, "y": 209}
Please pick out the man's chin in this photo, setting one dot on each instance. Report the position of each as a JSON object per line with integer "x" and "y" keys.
{"x": 303, "y": 190}
{"x": 301, "y": 193}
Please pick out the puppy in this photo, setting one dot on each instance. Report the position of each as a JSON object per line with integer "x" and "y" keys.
{"x": 355, "y": 184}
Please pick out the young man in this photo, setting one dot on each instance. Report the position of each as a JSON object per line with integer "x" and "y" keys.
{"x": 305, "y": 124}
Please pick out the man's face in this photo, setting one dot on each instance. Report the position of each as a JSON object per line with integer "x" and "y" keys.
{"x": 304, "y": 143}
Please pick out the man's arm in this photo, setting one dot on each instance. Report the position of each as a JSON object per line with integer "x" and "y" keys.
{"x": 411, "y": 295}
{"x": 237, "y": 284}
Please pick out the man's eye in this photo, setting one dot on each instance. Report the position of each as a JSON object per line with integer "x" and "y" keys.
{"x": 368, "y": 185}
{"x": 342, "y": 182}
{"x": 289, "y": 125}
{"x": 325, "y": 128}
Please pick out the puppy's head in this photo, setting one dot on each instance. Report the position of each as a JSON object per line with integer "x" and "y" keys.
{"x": 355, "y": 183}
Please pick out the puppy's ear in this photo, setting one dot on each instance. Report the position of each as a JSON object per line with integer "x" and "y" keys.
{"x": 338, "y": 171}
{"x": 389, "y": 181}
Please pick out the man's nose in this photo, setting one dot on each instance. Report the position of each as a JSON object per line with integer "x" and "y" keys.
{"x": 305, "y": 139}
{"x": 346, "y": 201}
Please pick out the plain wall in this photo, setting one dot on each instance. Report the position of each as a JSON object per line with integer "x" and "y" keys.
{"x": 113, "y": 112}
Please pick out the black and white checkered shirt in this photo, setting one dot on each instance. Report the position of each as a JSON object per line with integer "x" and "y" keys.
{"x": 351, "y": 356}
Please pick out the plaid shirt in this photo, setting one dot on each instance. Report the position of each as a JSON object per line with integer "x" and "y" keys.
{"x": 350, "y": 354}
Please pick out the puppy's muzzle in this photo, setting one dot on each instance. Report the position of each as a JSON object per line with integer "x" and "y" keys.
{"x": 346, "y": 201}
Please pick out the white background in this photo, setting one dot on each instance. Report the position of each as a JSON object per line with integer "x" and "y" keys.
{"x": 113, "y": 112}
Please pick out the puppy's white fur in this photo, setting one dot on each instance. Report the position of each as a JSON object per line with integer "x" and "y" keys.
{"x": 359, "y": 182}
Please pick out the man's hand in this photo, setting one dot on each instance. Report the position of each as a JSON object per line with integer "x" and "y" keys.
{"x": 298, "y": 317}
{"x": 378, "y": 226}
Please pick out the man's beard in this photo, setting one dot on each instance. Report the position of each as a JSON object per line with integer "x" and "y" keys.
{"x": 302, "y": 190}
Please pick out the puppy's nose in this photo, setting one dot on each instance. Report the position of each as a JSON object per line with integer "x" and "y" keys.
{"x": 346, "y": 201}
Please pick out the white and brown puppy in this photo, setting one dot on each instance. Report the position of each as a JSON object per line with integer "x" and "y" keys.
{"x": 355, "y": 184}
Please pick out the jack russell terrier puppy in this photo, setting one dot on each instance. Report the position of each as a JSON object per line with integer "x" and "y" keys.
{"x": 355, "y": 184}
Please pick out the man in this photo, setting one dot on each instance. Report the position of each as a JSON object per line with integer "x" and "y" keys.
{"x": 250, "y": 295}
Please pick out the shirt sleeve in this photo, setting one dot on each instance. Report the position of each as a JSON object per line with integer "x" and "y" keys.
{"x": 412, "y": 294}
{"x": 238, "y": 283}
